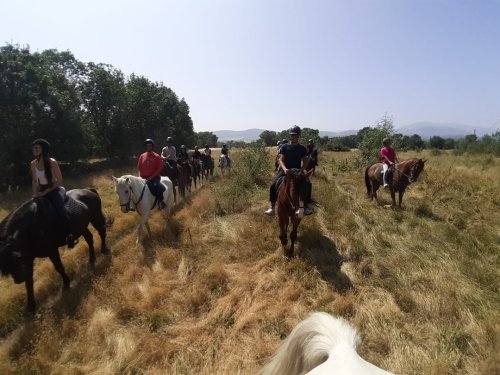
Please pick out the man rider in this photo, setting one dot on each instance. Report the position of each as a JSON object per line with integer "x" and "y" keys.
{"x": 389, "y": 158}
{"x": 183, "y": 155}
{"x": 224, "y": 151}
{"x": 150, "y": 166}
{"x": 168, "y": 155}
{"x": 292, "y": 155}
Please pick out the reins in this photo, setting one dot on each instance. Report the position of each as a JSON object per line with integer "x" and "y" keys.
{"x": 131, "y": 200}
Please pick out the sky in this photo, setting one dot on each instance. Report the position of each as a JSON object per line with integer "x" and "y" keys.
{"x": 329, "y": 65}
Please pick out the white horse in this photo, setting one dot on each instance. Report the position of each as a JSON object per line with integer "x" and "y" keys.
{"x": 134, "y": 194}
{"x": 224, "y": 163}
{"x": 321, "y": 345}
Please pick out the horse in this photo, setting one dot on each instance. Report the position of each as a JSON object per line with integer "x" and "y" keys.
{"x": 403, "y": 174}
{"x": 186, "y": 174}
{"x": 207, "y": 166}
{"x": 224, "y": 163}
{"x": 33, "y": 230}
{"x": 134, "y": 194}
{"x": 170, "y": 172}
{"x": 196, "y": 171}
{"x": 321, "y": 345}
{"x": 290, "y": 205}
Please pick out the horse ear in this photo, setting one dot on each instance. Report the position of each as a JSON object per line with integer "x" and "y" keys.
{"x": 127, "y": 180}
{"x": 114, "y": 179}
{"x": 423, "y": 160}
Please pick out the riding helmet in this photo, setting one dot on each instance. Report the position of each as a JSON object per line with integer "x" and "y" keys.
{"x": 169, "y": 139}
{"x": 196, "y": 147}
{"x": 387, "y": 140}
{"x": 295, "y": 130}
{"x": 310, "y": 141}
{"x": 278, "y": 143}
{"x": 183, "y": 146}
{"x": 206, "y": 145}
{"x": 43, "y": 143}
{"x": 150, "y": 141}
{"x": 284, "y": 141}
{"x": 224, "y": 145}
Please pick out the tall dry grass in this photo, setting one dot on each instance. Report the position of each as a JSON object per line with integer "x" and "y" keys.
{"x": 211, "y": 292}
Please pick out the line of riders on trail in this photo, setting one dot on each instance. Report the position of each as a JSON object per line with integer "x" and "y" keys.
{"x": 47, "y": 178}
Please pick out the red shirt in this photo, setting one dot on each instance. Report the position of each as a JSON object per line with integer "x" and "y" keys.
{"x": 149, "y": 164}
{"x": 389, "y": 153}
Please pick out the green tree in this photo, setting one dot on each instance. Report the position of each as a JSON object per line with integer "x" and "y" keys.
{"x": 372, "y": 138}
{"x": 437, "y": 142}
{"x": 268, "y": 137}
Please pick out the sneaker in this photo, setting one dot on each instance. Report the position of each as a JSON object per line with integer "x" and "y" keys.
{"x": 308, "y": 211}
{"x": 270, "y": 211}
{"x": 386, "y": 186}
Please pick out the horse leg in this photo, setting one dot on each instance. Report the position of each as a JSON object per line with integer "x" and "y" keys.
{"x": 293, "y": 235}
{"x": 30, "y": 294}
{"x": 284, "y": 237}
{"x": 99, "y": 224}
{"x": 393, "y": 197}
{"x": 401, "y": 192}
{"x": 90, "y": 241}
{"x": 55, "y": 258}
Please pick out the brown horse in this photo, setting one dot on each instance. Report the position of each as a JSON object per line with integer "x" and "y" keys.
{"x": 207, "y": 166}
{"x": 196, "y": 172}
{"x": 170, "y": 172}
{"x": 186, "y": 174}
{"x": 290, "y": 205}
{"x": 403, "y": 174}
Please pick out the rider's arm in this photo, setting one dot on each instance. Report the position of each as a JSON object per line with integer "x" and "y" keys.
{"x": 34, "y": 179}
{"x": 281, "y": 162}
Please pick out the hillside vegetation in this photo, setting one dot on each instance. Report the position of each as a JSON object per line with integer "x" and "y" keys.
{"x": 212, "y": 293}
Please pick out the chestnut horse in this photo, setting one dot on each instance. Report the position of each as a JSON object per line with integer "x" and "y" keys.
{"x": 290, "y": 205}
{"x": 207, "y": 166}
{"x": 403, "y": 174}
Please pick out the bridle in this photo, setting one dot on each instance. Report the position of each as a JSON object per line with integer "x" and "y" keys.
{"x": 130, "y": 197}
{"x": 412, "y": 171}
{"x": 290, "y": 200}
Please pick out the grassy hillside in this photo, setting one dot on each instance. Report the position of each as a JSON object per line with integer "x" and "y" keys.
{"x": 211, "y": 292}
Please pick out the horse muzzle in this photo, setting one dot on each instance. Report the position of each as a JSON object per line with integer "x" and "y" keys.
{"x": 299, "y": 214}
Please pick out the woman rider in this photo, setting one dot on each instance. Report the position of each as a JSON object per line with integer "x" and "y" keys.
{"x": 47, "y": 182}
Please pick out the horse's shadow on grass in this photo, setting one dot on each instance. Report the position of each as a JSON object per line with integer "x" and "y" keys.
{"x": 321, "y": 252}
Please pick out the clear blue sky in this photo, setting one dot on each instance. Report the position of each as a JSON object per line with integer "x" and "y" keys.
{"x": 328, "y": 65}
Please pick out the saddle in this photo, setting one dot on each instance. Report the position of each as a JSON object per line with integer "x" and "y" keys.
{"x": 380, "y": 174}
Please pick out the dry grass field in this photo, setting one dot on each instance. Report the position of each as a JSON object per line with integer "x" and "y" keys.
{"x": 211, "y": 292}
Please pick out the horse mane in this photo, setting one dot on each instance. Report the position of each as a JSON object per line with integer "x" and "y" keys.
{"x": 310, "y": 344}
{"x": 14, "y": 219}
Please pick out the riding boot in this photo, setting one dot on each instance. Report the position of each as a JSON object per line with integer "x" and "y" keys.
{"x": 384, "y": 178}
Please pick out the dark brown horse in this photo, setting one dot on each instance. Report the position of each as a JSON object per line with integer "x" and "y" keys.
{"x": 290, "y": 205}
{"x": 186, "y": 174}
{"x": 34, "y": 231}
{"x": 403, "y": 174}
{"x": 207, "y": 166}
{"x": 195, "y": 172}
{"x": 175, "y": 175}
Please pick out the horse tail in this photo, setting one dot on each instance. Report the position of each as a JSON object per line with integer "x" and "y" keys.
{"x": 367, "y": 182}
{"x": 310, "y": 343}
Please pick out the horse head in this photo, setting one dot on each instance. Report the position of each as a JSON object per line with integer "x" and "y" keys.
{"x": 124, "y": 191}
{"x": 415, "y": 170}
{"x": 295, "y": 179}
{"x": 11, "y": 259}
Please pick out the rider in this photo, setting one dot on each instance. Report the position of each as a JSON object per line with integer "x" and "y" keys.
{"x": 293, "y": 155}
{"x": 168, "y": 155}
{"x": 150, "y": 166}
{"x": 46, "y": 180}
{"x": 224, "y": 151}
{"x": 183, "y": 155}
{"x": 207, "y": 150}
{"x": 389, "y": 158}
{"x": 312, "y": 151}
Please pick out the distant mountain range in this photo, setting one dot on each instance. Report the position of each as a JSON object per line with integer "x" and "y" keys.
{"x": 425, "y": 129}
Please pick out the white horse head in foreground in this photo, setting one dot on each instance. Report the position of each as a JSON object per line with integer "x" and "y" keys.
{"x": 321, "y": 345}
{"x": 134, "y": 194}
